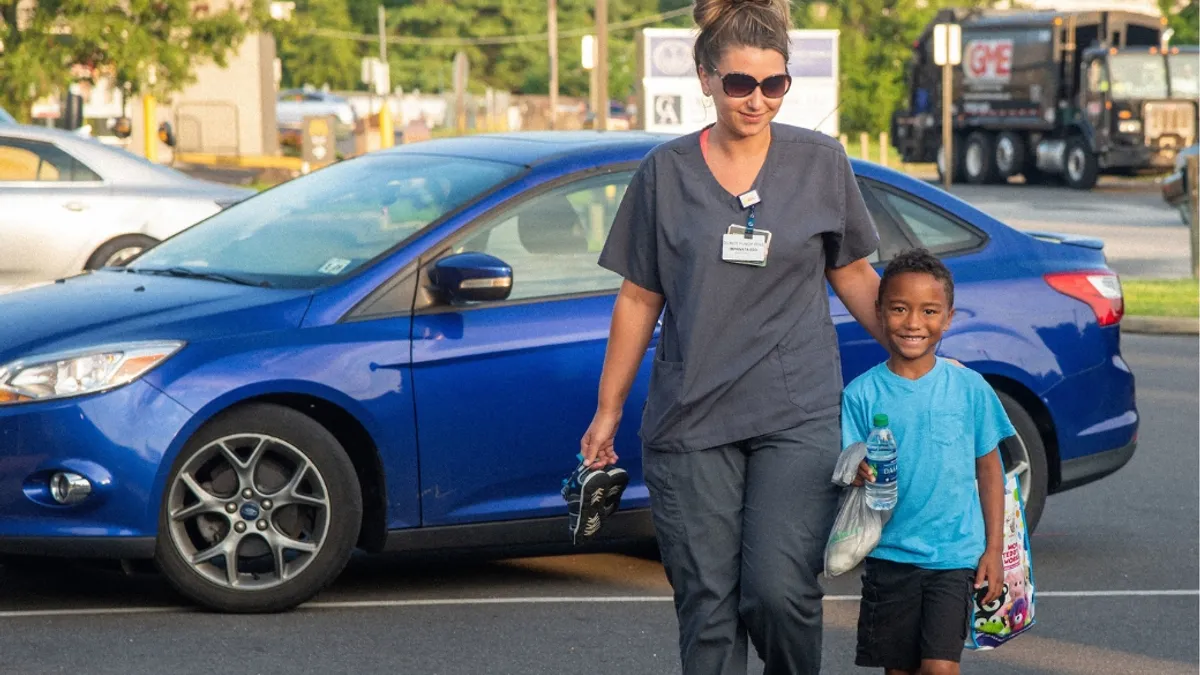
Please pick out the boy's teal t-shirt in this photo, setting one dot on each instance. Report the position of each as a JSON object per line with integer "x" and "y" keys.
{"x": 942, "y": 423}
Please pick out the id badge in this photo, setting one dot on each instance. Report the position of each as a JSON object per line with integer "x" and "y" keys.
{"x": 736, "y": 248}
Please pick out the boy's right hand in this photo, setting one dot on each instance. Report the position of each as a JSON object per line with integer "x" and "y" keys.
{"x": 865, "y": 475}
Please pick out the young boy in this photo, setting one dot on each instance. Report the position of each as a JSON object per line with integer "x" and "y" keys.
{"x": 945, "y": 534}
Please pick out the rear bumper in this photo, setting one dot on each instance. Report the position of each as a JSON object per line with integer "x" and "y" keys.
{"x": 1091, "y": 468}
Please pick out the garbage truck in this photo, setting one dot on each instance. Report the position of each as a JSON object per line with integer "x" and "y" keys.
{"x": 1052, "y": 96}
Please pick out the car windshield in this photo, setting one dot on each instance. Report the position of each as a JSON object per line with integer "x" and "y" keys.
{"x": 1138, "y": 76}
{"x": 313, "y": 230}
{"x": 1185, "y": 76}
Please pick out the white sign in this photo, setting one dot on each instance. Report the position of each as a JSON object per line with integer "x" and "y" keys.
{"x": 587, "y": 51}
{"x": 947, "y": 44}
{"x": 673, "y": 101}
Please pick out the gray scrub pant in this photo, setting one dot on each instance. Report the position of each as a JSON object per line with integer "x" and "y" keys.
{"x": 742, "y": 531}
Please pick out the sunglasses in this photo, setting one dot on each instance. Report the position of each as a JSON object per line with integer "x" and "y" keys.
{"x": 741, "y": 85}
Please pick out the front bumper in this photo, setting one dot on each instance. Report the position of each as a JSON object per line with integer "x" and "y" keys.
{"x": 118, "y": 440}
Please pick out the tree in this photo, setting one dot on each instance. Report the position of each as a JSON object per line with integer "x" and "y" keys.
{"x": 1184, "y": 17}
{"x": 143, "y": 45}
{"x": 316, "y": 60}
{"x": 875, "y": 47}
{"x": 514, "y": 66}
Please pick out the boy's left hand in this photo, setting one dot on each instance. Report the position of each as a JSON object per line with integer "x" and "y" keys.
{"x": 991, "y": 570}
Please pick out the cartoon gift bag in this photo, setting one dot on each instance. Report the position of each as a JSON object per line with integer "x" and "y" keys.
{"x": 1003, "y": 619}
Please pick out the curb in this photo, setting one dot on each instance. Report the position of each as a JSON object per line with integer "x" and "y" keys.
{"x": 1160, "y": 325}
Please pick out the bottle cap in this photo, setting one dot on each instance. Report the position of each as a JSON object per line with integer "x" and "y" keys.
{"x": 881, "y": 420}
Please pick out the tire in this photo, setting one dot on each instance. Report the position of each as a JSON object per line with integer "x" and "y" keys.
{"x": 1009, "y": 155}
{"x": 1027, "y": 442}
{"x": 1080, "y": 169}
{"x": 127, "y": 247}
{"x": 304, "y": 492}
{"x": 958, "y": 162}
{"x": 979, "y": 159}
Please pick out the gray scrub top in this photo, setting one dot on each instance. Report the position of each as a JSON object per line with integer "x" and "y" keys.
{"x": 744, "y": 350}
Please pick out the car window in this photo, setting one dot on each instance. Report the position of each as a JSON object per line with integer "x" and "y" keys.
{"x": 34, "y": 161}
{"x": 931, "y": 229}
{"x": 553, "y": 241}
{"x": 891, "y": 239}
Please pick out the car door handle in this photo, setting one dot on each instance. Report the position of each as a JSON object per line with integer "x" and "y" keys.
{"x": 74, "y": 206}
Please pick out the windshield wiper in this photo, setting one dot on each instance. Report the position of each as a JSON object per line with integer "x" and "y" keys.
{"x": 197, "y": 274}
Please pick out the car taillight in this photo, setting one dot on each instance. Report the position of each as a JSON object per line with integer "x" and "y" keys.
{"x": 1101, "y": 290}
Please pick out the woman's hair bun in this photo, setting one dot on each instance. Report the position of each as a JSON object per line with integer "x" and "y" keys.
{"x": 708, "y": 12}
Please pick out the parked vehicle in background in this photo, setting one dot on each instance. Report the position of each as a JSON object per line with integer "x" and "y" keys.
{"x": 293, "y": 105}
{"x": 6, "y": 118}
{"x": 399, "y": 352}
{"x": 1176, "y": 185}
{"x": 1052, "y": 95}
{"x": 70, "y": 203}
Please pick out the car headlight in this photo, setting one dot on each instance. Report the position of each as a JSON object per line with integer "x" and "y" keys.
{"x": 1130, "y": 126}
{"x": 82, "y": 371}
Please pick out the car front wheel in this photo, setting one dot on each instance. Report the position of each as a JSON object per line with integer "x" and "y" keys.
{"x": 262, "y": 511}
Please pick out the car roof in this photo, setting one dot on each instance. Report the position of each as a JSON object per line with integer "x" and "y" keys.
{"x": 531, "y": 148}
{"x": 114, "y": 163}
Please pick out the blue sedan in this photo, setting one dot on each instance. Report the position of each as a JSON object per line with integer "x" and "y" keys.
{"x": 401, "y": 351}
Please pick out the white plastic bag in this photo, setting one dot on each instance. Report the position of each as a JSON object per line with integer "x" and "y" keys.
{"x": 857, "y": 529}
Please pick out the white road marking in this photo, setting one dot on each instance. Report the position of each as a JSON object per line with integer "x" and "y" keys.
{"x": 534, "y": 600}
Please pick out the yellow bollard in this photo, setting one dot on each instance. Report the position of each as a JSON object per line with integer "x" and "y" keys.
{"x": 149, "y": 127}
{"x": 387, "y": 134}
{"x": 883, "y": 148}
{"x": 864, "y": 140}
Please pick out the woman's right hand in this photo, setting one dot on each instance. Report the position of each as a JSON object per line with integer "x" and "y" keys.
{"x": 597, "y": 445}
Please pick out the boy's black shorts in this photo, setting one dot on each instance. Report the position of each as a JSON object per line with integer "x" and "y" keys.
{"x": 909, "y": 614}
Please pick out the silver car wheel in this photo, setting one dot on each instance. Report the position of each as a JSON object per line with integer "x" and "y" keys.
{"x": 1016, "y": 463}
{"x": 248, "y": 512}
{"x": 123, "y": 255}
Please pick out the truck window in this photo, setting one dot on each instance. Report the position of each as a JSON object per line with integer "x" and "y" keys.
{"x": 1185, "y": 76}
{"x": 1097, "y": 78}
{"x": 1138, "y": 76}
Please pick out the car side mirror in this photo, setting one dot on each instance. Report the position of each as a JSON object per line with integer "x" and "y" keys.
{"x": 472, "y": 277}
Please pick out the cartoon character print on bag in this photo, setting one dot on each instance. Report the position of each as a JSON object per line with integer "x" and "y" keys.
{"x": 991, "y": 618}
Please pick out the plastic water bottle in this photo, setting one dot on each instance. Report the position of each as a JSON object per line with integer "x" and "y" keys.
{"x": 881, "y": 457}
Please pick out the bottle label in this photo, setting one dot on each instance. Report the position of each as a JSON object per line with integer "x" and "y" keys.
{"x": 885, "y": 472}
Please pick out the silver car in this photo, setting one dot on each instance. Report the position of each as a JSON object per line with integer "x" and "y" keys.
{"x": 69, "y": 203}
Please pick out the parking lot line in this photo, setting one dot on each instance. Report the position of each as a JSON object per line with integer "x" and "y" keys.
{"x": 530, "y": 600}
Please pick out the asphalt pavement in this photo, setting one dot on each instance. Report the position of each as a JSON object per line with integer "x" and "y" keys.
{"x": 1143, "y": 236}
{"x": 1116, "y": 566}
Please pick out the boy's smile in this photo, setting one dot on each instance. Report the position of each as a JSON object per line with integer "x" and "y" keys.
{"x": 915, "y": 313}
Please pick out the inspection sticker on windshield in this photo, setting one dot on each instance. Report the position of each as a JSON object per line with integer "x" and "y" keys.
{"x": 334, "y": 266}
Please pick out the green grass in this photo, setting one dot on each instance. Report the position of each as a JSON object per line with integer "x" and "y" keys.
{"x": 1161, "y": 297}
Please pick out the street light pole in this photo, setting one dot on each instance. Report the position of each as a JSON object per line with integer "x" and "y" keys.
{"x": 552, "y": 18}
{"x": 601, "y": 64}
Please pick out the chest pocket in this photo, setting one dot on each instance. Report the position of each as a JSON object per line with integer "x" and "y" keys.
{"x": 950, "y": 432}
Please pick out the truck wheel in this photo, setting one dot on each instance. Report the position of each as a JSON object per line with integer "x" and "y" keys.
{"x": 979, "y": 162}
{"x": 1081, "y": 169}
{"x": 1010, "y": 155}
{"x": 958, "y": 162}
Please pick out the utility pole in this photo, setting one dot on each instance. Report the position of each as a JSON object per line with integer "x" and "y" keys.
{"x": 552, "y": 18}
{"x": 947, "y": 53}
{"x": 602, "y": 64}
{"x": 387, "y": 134}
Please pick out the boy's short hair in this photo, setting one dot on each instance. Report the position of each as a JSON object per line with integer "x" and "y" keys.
{"x": 920, "y": 261}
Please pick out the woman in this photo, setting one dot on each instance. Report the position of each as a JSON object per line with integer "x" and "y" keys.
{"x": 734, "y": 231}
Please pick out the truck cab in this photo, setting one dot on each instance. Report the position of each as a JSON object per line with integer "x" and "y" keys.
{"x": 1139, "y": 103}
